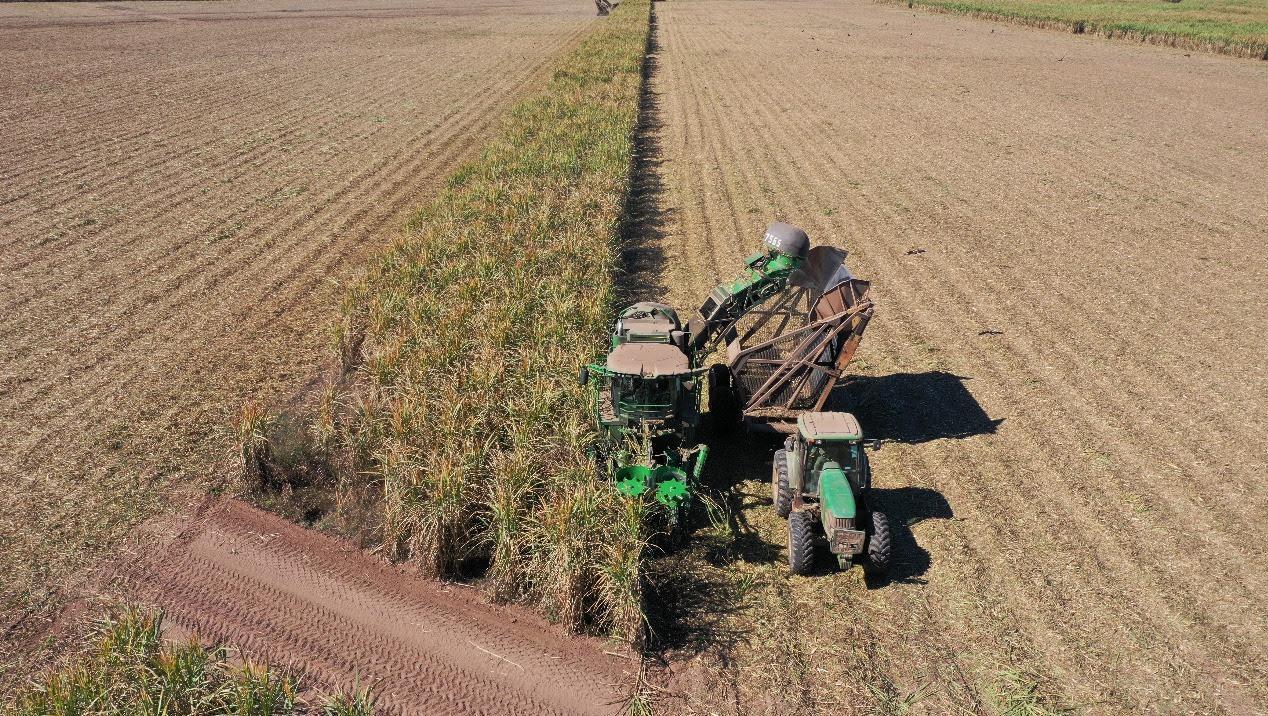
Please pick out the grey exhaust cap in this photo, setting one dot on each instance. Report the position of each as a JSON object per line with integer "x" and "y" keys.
{"x": 787, "y": 240}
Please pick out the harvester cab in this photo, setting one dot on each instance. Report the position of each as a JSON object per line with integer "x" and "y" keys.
{"x": 647, "y": 394}
{"x": 821, "y": 482}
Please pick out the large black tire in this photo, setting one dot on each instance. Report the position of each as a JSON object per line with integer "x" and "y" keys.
{"x": 803, "y": 528}
{"x": 781, "y": 492}
{"x": 724, "y": 409}
{"x": 880, "y": 546}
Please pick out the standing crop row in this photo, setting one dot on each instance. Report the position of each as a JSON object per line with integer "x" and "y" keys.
{"x": 461, "y": 344}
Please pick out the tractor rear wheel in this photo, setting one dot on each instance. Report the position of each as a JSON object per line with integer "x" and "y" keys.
{"x": 781, "y": 492}
{"x": 723, "y": 407}
{"x": 880, "y": 546}
{"x": 802, "y": 530}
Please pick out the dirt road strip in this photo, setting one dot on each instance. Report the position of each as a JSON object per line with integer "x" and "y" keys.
{"x": 297, "y": 598}
{"x": 182, "y": 185}
{"x": 1066, "y": 241}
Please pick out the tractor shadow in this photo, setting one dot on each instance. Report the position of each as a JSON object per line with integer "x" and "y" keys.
{"x": 907, "y": 507}
{"x": 914, "y": 408}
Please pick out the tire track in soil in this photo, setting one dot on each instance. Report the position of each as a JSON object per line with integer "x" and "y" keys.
{"x": 310, "y": 602}
{"x": 1055, "y": 207}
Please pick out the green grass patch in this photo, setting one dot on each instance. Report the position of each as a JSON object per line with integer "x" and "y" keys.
{"x": 1234, "y": 27}
{"x": 128, "y": 669}
{"x": 463, "y": 340}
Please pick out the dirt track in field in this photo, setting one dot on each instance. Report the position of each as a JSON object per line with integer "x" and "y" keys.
{"x": 1066, "y": 240}
{"x": 297, "y": 598}
{"x": 181, "y": 185}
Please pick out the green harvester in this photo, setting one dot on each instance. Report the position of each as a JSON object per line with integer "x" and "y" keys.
{"x": 647, "y": 392}
{"x": 790, "y": 323}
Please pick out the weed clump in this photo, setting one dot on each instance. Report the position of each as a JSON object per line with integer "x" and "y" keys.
{"x": 129, "y": 669}
{"x": 462, "y": 342}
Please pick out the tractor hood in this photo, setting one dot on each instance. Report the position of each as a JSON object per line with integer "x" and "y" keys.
{"x": 648, "y": 359}
{"x": 835, "y": 496}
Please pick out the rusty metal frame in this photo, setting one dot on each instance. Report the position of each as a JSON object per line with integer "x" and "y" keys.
{"x": 842, "y": 311}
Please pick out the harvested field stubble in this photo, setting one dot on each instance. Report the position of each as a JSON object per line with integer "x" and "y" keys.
{"x": 181, "y": 187}
{"x": 466, "y": 335}
{"x": 1065, "y": 238}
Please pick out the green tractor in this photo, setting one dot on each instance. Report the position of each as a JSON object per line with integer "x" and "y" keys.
{"x": 821, "y": 483}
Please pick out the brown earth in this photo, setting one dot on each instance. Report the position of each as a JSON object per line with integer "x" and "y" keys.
{"x": 1066, "y": 240}
{"x": 300, "y": 599}
{"x": 182, "y": 187}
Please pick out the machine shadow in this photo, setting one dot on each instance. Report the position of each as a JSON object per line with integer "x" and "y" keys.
{"x": 907, "y": 507}
{"x": 686, "y": 608}
{"x": 687, "y": 605}
{"x": 914, "y": 407}
{"x": 642, "y": 231}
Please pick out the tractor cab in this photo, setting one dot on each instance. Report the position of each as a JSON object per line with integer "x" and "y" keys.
{"x": 647, "y": 381}
{"x": 821, "y": 482}
{"x": 833, "y": 446}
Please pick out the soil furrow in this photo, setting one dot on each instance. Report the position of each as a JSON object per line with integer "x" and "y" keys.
{"x": 131, "y": 341}
{"x": 298, "y": 598}
{"x": 1034, "y": 233}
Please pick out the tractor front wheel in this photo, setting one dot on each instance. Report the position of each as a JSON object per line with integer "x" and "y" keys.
{"x": 781, "y": 492}
{"x": 880, "y": 546}
{"x": 802, "y": 530}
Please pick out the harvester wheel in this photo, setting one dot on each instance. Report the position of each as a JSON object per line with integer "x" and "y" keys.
{"x": 781, "y": 492}
{"x": 880, "y": 546}
{"x": 802, "y": 530}
{"x": 723, "y": 408}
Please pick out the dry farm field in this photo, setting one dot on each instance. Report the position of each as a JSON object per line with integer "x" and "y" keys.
{"x": 182, "y": 185}
{"x": 201, "y": 208}
{"x": 1066, "y": 237}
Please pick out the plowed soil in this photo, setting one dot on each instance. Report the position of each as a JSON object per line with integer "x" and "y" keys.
{"x": 182, "y": 185}
{"x": 296, "y": 598}
{"x": 1066, "y": 240}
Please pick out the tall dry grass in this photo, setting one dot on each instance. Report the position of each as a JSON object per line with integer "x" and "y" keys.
{"x": 464, "y": 338}
{"x": 128, "y": 669}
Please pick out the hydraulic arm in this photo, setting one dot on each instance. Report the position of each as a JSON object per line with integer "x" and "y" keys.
{"x": 764, "y": 275}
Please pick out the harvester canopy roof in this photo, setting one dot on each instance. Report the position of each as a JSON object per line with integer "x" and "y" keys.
{"x": 648, "y": 359}
{"x": 829, "y": 426}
